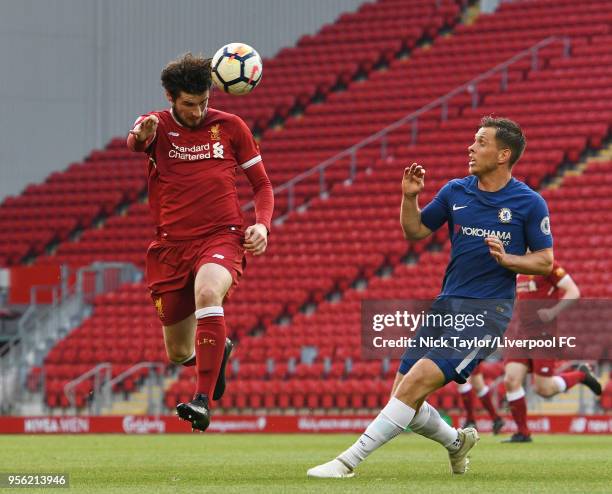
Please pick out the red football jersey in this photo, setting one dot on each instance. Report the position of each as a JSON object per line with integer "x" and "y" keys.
{"x": 529, "y": 286}
{"x": 535, "y": 292}
{"x": 192, "y": 173}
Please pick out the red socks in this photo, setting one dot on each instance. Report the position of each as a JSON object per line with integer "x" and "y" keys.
{"x": 485, "y": 399}
{"x": 572, "y": 378}
{"x": 209, "y": 348}
{"x": 518, "y": 408}
{"x": 467, "y": 397}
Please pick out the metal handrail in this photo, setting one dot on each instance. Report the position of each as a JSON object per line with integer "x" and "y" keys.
{"x": 70, "y": 386}
{"x": 132, "y": 370}
{"x": 107, "y": 387}
{"x": 442, "y": 101}
{"x": 41, "y": 324}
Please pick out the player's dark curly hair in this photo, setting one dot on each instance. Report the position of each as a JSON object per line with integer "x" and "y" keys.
{"x": 188, "y": 73}
{"x": 508, "y": 135}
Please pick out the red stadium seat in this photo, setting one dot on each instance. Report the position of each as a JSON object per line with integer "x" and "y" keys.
{"x": 351, "y": 232}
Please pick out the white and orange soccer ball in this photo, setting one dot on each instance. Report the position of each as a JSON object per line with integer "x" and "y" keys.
{"x": 237, "y": 68}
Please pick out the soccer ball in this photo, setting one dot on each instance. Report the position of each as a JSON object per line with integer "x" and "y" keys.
{"x": 236, "y": 68}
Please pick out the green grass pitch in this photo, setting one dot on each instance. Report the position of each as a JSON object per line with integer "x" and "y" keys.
{"x": 202, "y": 463}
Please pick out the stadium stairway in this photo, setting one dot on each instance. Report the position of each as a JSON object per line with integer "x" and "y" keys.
{"x": 80, "y": 197}
{"x": 359, "y": 220}
{"x": 138, "y": 402}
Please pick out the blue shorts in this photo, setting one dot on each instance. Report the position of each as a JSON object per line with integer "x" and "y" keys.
{"x": 453, "y": 345}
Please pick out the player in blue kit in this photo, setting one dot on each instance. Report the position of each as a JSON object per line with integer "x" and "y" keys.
{"x": 492, "y": 220}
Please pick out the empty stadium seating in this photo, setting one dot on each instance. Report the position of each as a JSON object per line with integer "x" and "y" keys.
{"x": 47, "y": 213}
{"x": 338, "y": 52}
{"x": 383, "y": 98}
{"x": 564, "y": 107}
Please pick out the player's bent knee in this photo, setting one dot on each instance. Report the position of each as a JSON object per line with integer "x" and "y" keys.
{"x": 209, "y": 296}
{"x": 177, "y": 358}
{"x": 545, "y": 390}
{"x": 178, "y": 354}
{"x": 544, "y": 393}
{"x": 477, "y": 382}
{"x": 413, "y": 397}
{"x": 414, "y": 389}
{"x": 512, "y": 383}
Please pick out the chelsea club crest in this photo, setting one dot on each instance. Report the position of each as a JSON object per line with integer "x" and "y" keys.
{"x": 505, "y": 215}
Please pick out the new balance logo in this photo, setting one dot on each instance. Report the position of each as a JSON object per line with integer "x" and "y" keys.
{"x": 219, "y": 256}
{"x": 217, "y": 150}
{"x": 457, "y": 208}
{"x": 173, "y": 134}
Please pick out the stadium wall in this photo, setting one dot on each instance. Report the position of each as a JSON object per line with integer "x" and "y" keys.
{"x": 131, "y": 424}
{"x": 77, "y": 72}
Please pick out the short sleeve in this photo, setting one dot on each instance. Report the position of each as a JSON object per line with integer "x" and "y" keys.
{"x": 436, "y": 213}
{"x": 537, "y": 228}
{"x": 246, "y": 149}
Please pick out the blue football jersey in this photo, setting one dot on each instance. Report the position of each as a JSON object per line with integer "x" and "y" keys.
{"x": 515, "y": 214}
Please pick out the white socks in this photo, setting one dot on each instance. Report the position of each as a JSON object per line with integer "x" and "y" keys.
{"x": 464, "y": 388}
{"x": 560, "y": 382}
{"x": 390, "y": 422}
{"x": 515, "y": 395}
{"x": 483, "y": 391}
{"x": 211, "y": 311}
{"x": 429, "y": 424}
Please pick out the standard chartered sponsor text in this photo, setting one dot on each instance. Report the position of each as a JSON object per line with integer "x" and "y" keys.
{"x": 191, "y": 153}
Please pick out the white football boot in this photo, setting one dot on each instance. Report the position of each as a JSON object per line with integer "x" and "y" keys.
{"x": 459, "y": 459}
{"x": 334, "y": 469}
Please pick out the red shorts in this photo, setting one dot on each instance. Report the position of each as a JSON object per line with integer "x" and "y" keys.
{"x": 541, "y": 367}
{"x": 172, "y": 265}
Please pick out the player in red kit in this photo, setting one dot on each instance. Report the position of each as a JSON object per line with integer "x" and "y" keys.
{"x": 199, "y": 253}
{"x": 560, "y": 289}
{"x": 476, "y": 386}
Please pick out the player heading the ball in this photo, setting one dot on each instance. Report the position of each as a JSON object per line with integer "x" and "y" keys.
{"x": 199, "y": 254}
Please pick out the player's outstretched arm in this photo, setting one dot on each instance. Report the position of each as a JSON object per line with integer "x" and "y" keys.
{"x": 142, "y": 134}
{"x": 410, "y": 214}
{"x": 538, "y": 262}
{"x": 571, "y": 294}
